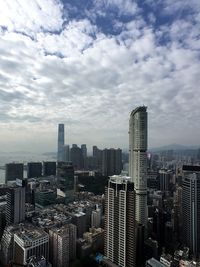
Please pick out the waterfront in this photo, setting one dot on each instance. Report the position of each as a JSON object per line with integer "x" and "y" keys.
{"x": 22, "y": 157}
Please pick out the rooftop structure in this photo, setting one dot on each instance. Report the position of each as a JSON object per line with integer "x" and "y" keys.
{"x": 30, "y": 241}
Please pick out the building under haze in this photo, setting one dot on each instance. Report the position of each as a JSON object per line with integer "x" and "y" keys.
{"x": 120, "y": 243}
{"x": 49, "y": 168}
{"x": 111, "y": 161}
{"x": 13, "y": 171}
{"x": 76, "y": 156}
{"x": 61, "y": 141}
{"x": 66, "y": 153}
{"x": 84, "y": 154}
{"x": 34, "y": 169}
{"x": 138, "y": 160}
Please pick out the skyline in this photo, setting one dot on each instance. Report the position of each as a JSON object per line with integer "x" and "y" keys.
{"x": 89, "y": 64}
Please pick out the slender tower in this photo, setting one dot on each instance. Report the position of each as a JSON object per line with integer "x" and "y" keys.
{"x": 120, "y": 238}
{"x": 138, "y": 160}
{"x": 61, "y": 141}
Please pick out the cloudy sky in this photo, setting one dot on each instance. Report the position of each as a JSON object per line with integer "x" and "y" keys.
{"x": 88, "y": 63}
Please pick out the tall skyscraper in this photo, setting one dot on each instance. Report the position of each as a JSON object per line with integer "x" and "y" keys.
{"x": 138, "y": 160}
{"x": 120, "y": 243}
{"x": 191, "y": 208}
{"x": 15, "y": 207}
{"x": 61, "y": 141}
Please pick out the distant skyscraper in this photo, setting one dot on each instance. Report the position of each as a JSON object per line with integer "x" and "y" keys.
{"x": 138, "y": 160}
{"x": 34, "y": 169}
{"x": 191, "y": 208}
{"x": 67, "y": 153}
{"x": 13, "y": 171}
{"x": 61, "y": 141}
{"x": 49, "y": 168}
{"x": 15, "y": 207}
{"x": 120, "y": 243}
{"x": 97, "y": 157}
{"x": 76, "y": 157}
{"x": 84, "y": 153}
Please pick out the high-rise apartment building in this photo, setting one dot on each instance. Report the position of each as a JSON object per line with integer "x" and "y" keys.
{"x": 120, "y": 243}
{"x": 138, "y": 160}
{"x": 62, "y": 243}
{"x": 61, "y": 141}
{"x": 191, "y": 208}
{"x": 111, "y": 161}
{"x": 15, "y": 207}
{"x": 14, "y": 171}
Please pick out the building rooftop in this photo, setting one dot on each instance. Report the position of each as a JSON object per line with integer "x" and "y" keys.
{"x": 29, "y": 233}
{"x": 138, "y": 109}
{"x": 119, "y": 179}
{"x": 155, "y": 263}
{"x": 191, "y": 168}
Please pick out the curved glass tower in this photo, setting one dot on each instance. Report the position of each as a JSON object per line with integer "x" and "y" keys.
{"x": 138, "y": 160}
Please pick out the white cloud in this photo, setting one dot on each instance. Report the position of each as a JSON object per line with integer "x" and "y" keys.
{"x": 97, "y": 81}
{"x": 124, "y": 7}
{"x": 31, "y": 16}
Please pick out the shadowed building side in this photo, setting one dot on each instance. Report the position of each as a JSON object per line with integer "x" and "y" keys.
{"x": 61, "y": 141}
